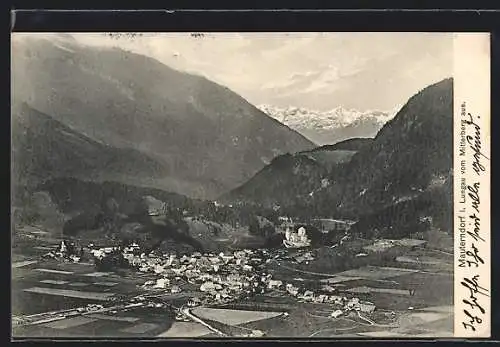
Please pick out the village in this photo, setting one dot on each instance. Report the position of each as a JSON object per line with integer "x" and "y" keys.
{"x": 187, "y": 285}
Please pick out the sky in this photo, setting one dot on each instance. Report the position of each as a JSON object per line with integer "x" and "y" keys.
{"x": 321, "y": 71}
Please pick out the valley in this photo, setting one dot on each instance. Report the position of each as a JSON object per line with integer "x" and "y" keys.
{"x": 74, "y": 299}
{"x": 154, "y": 203}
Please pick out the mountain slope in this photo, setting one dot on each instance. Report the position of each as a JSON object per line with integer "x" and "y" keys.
{"x": 410, "y": 152}
{"x": 394, "y": 183}
{"x": 331, "y": 156}
{"x": 286, "y": 179}
{"x": 293, "y": 178}
{"x": 43, "y": 148}
{"x": 353, "y": 144}
{"x": 209, "y": 138}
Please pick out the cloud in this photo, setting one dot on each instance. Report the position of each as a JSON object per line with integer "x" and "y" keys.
{"x": 317, "y": 70}
{"x": 326, "y": 79}
{"x": 298, "y": 76}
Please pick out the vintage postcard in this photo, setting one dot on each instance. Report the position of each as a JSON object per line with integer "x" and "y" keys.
{"x": 250, "y": 185}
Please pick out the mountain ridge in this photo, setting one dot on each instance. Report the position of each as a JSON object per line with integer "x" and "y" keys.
{"x": 211, "y": 138}
{"x": 406, "y": 166}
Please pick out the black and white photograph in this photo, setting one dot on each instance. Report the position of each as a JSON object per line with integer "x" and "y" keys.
{"x": 234, "y": 185}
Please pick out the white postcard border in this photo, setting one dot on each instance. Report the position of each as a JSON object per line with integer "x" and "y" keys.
{"x": 472, "y": 276}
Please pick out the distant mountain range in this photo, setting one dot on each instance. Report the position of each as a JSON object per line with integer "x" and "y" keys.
{"x": 329, "y": 127}
{"x": 105, "y": 114}
{"x": 391, "y": 184}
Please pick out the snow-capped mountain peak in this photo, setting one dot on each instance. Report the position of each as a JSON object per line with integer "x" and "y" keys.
{"x": 303, "y": 118}
{"x": 326, "y": 127}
